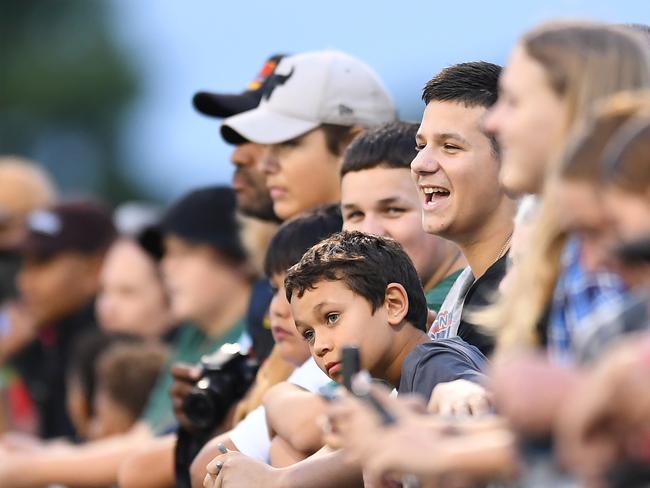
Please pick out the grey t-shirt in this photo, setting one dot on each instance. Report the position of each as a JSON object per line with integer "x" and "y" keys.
{"x": 440, "y": 361}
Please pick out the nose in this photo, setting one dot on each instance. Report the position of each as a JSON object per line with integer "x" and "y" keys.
{"x": 270, "y": 163}
{"x": 424, "y": 163}
{"x": 492, "y": 120}
{"x": 279, "y": 306}
{"x": 241, "y": 157}
{"x": 322, "y": 344}
{"x": 371, "y": 224}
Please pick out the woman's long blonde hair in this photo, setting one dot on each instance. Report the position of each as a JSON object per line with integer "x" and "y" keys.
{"x": 584, "y": 63}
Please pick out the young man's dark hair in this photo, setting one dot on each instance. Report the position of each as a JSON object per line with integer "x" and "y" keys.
{"x": 390, "y": 146}
{"x": 297, "y": 235}
{"x": 474, "y": 84}
{"x": 367, "y": 265}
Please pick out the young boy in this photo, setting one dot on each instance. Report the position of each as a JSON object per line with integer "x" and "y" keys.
{"x": 378, "y": 197}
{"x": 363, "y": 290}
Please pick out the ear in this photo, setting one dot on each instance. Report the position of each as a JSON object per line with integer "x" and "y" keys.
{"x": 396, "y": 302}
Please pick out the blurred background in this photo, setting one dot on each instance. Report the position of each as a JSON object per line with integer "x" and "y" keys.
{"x": 100, "y": 91}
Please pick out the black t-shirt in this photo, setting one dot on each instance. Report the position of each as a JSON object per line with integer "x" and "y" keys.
{"x": 465, "y": 296}
{"x": 440, "y": 361}
{"x": 43, "y": 367}
{"x": 480, "y": 294}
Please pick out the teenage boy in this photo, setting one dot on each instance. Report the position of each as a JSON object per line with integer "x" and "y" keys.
{"x": 362, "y": 290}
{"x": 378, "y": 197}
{"x": 456, "y": 172}
{"x": 313, "y": 106}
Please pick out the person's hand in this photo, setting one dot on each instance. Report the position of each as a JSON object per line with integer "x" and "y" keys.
{"x": 530, "y": 392}
{"x": 184, "y": 377}
{"x": 354, "y": 425}
{"x": 235, "y": 470}
{"x": 17, "y": 442}
{"x": 460, "y": 398}
{"x": 606, "y": 419}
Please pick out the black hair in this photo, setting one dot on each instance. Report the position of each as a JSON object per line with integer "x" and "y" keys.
{"x": 207, "y": 216}
{"x": 474, "y": 84}
{"x": 297, "y": 235}
{"x": 390, "y": 145}
{"x": 337, "y": 137}
{"x": 367, "y": 264}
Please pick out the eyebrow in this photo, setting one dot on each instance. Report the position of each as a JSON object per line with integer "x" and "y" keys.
{"x": 451, "y": 135}
{"x": 383, "y": 201}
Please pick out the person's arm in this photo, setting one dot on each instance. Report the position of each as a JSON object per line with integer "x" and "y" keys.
{"x": 151, "y": 467}
{"x": 94, "y": 464}
{"x": 282, "y": 454}
{"x": 205, "y": 455}
{"x": 324, "y": 469}
{"x": 291, "y": 413}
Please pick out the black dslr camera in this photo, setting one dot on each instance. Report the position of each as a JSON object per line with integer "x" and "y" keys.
{"x": 227, "y": 375}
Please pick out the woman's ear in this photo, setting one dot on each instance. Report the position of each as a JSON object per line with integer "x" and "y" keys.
{"x": 396, "y": 302}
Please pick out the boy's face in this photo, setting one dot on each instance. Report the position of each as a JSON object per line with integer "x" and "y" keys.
{"x": 385, "y": 202}
{"x": 455, "y": 171}
{"x": 290, "y": 344}
{"x": 302, "y": 174}
{"x": 249, "y": 182}
{"x": 196, "y": 279}
{"x": 528, "y": 121}
{"x": 131, "y": 297}
{"x": 331, "y": 316}
{"x": 55, "y": 287}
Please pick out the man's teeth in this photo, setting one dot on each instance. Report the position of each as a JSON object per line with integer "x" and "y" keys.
{"x": 430, "y": 191}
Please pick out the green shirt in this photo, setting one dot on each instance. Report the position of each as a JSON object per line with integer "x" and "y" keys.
{"x": 190, "y": 344}
{"x": 436, "y": 295}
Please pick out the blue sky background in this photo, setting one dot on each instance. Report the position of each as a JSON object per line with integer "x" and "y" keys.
{"x": 180, "y": 47}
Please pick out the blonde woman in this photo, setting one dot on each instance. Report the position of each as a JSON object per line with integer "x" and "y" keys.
{"x": 555, "y": 75}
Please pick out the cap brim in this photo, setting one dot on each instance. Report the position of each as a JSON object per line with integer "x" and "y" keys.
{"x": 262, "y": 126}
{"x": 224, "y": 105}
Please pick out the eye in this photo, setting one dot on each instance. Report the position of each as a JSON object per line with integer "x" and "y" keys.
{"x": 332, "y": 318}
{"x": 308, "y": 335}
{"x": 450, "y": 148}
{"x": 395, "y": 211}
{"x": 354, "y": 215}
{"x": 420, "y": 147}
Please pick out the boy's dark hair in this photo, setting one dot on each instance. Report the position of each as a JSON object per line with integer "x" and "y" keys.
{"x": 129, "y": 371}
{"x": 337, "y": 137}
{"x": 472, "y": 84}
{"x": 297, "y": 235}
{"x": 367, "y": 264}
{"x": 390, "y": 146}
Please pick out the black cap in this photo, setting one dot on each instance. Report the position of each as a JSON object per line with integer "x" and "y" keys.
{"x": 81, "y": 226}
{"x": 207, "y": 216}
{"x": 224, "y": 105}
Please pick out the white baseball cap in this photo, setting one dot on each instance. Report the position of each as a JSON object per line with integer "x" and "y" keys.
{"x": 310, "y": 89}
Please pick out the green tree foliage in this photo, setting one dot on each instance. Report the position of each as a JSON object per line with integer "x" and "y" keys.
{"x": 64, "y": 86}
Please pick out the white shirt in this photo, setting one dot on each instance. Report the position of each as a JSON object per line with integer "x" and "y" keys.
{"x": 251, "y": 435}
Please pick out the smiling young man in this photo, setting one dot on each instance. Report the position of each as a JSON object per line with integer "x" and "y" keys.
{"x": 457, "y": 174}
